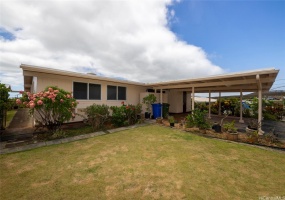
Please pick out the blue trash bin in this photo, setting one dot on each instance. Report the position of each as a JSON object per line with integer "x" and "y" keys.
{"x": 156, "y": 110}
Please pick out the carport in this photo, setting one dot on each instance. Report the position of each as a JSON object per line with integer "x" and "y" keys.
{"x": 251, "y": 81}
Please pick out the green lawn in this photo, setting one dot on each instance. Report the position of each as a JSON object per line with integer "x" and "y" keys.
{"x": 151, "y": 162}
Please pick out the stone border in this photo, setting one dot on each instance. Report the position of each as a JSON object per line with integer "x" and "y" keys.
{"x": 70, "y": 139}
{"x": 276, "y": 149}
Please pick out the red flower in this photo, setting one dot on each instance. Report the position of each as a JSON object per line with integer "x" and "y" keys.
{"x": 122, "y": 103}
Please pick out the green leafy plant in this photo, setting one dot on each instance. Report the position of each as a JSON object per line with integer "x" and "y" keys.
{"x": 125, "y": 114}
{"x": 97, "y": 115}
{"x": 4, "y": 102}
{"x": 148, "y": 100}
{"x": 190, "y": 122}
{"x": 118, "y": 116}
{"x": 171, "y": 119}
{"x": 50, "y": 107}
{"x": 197, "y": 119}
{"x": 230, "y": 127}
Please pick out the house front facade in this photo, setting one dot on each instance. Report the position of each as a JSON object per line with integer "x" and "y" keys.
{"x": 180, "y": 94}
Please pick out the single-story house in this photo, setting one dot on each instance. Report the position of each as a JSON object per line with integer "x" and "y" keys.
{"x": 180, "y": 94}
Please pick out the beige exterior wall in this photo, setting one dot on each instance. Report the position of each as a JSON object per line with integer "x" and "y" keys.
{"x": 175, "y": 99}
{"x": 188, "y": 102}
{"x": 66, "y": 83}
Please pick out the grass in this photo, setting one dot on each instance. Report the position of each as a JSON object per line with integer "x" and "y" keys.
{"x": 151, "y": 162}
{"x": 10, "y": 115}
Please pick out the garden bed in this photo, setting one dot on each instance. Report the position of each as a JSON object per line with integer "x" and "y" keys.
{"x": 264, "y": 140}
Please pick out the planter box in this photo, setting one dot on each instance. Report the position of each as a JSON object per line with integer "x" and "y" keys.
{"x": 232, "y": 136}
{"x": 159, "y": 120}
{"x": 252, "y": 140}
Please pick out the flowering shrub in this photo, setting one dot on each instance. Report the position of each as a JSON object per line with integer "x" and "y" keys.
{"x": 125, "y": 114}
{"x": 97, "y": 115}
{"x": 51, "y": 107}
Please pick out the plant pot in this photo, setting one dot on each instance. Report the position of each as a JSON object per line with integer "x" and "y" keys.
{"x": 204, "y": 131}
{"x": 159, "y": 120}
{"x": 147, "y": 115}
{"x": 171, "y": 124}
{"x": 217, "y": 128}
{"x": 232, "y": 136}
{"x": 250, "y": 130}
{"x": 252, "y": 140}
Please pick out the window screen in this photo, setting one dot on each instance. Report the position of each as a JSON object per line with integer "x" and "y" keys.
{"x": 80, "y": 90}
{"x": 95, "y": 91}
{"x": 111, "y": 92}
{"x": 122, "y": 93}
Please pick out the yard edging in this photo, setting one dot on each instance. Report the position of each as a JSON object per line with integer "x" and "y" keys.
{"x": 280, "y": 150}
{"x": 69, "y": 139}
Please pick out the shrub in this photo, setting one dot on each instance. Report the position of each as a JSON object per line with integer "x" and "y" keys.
{"x": 230, "y": 127}
{"x": 198, "y": 119}
{"x": 269, "y": 116}
{"x": 148, "y": 100}
{"x": 97, "y": 115}
{"x": 125, "y": 114}
{"x": 201, "y": 105}
{"x": 118, "y": 116}
{"x": 51, "y": 107}
{"x": 190, "y": 123}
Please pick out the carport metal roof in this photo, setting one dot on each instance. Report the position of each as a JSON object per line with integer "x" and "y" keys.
{"x": 248, "y": 81}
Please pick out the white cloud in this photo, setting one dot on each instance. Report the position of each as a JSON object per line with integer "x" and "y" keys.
{"x": 128, "y": 39}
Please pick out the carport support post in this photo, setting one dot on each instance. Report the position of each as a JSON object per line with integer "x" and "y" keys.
{"x": 220, "y": 104}
{"x": 241, "y": 120}
{"x": 209, "y": 116}
{"x": 259, "y": 86}
{"x": 260, "y": 132}
{"x": 193, "y": 99}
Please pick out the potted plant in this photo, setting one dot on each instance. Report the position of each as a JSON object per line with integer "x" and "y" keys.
{"x": 171, "y": 121}
{"x": 252, "y": 137}
{"x": 252, "y": 126}
{"x": 231, "y": 130}
{"x": 148, "y": 100}
{"x": 159, "y": 120}
{"x": 218, "y": 126}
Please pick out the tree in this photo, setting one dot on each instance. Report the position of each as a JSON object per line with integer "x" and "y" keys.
{"x": 51, "y": 107}
{"x": 4, "y": 98}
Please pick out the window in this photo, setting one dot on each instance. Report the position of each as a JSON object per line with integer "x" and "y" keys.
{"x": 86, "y": 91}
{"x": 80, "y": 90}
{"x": 111, "y": 92}
{"x": 122, "y": 93}
{"x": 116, "y": 93}
{"x": 94, "y": 91}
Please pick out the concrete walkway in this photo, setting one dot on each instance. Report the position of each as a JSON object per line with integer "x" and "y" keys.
{"x": 20, "y": 128}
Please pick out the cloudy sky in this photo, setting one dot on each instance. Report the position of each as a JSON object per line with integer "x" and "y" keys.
{"x": 146, "y": 41}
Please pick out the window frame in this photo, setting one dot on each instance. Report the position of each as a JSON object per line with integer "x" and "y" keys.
{"x": 88, "y": 90}
{"x": 117, "y": 93}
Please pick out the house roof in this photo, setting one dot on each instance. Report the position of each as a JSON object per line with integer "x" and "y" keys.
{"x": 30, "y": 68}
{"x": 248, "y": 81}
